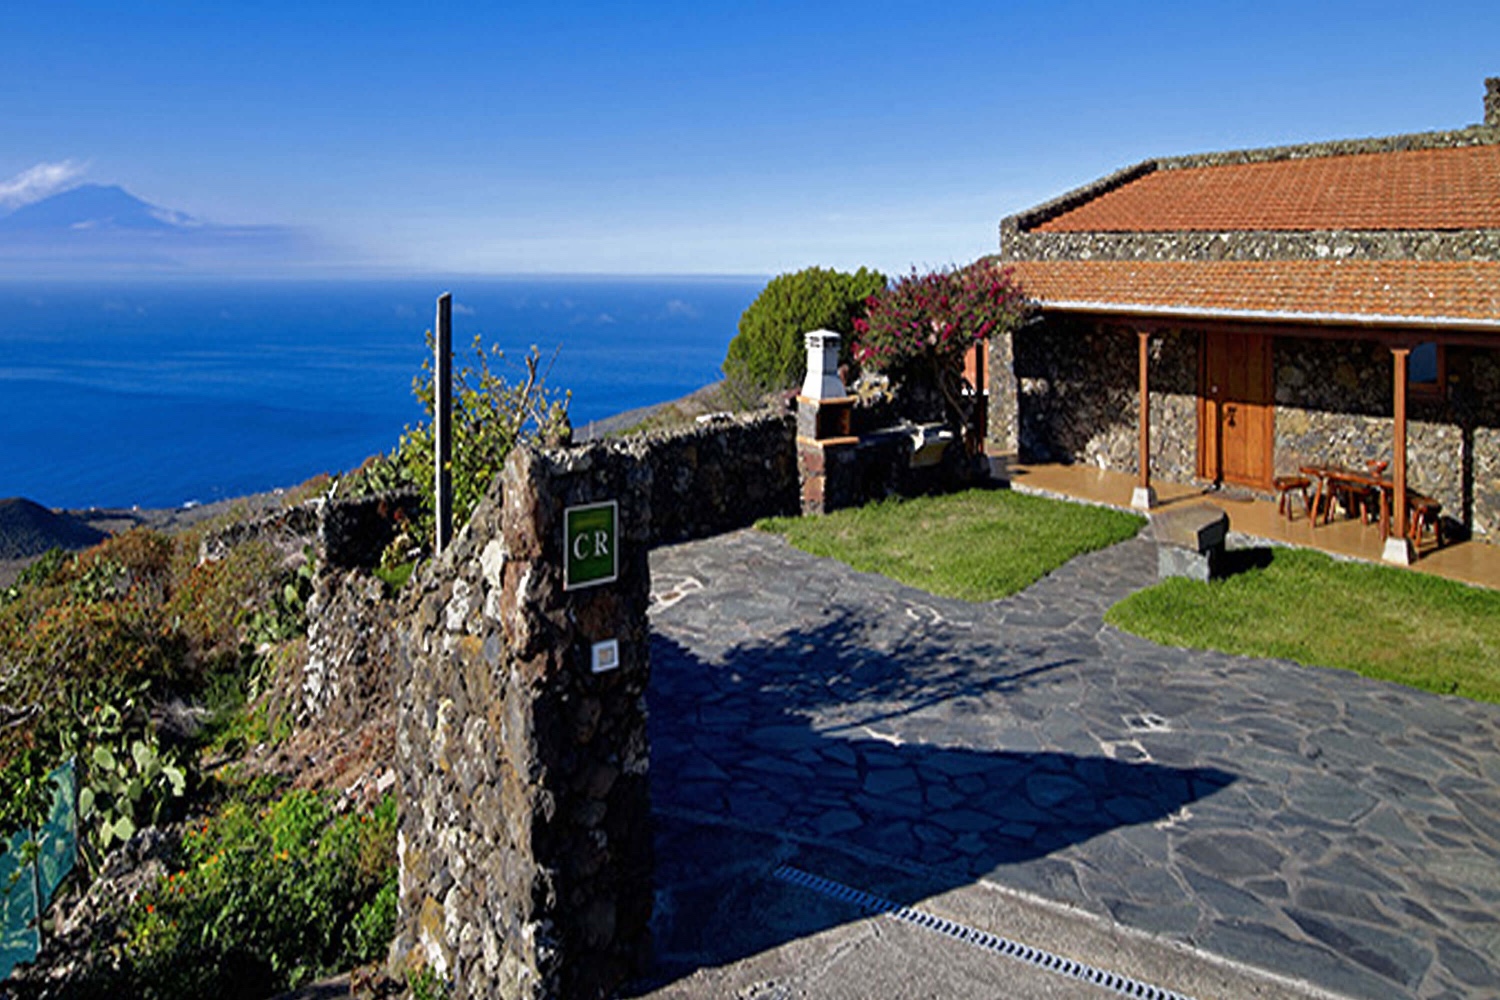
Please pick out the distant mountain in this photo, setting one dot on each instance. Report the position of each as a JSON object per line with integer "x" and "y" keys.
{"x": 96, "y": 230}
{"x": 93, "y": 207}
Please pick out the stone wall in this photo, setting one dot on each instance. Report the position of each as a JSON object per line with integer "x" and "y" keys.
{"x": 351, "y": 652}
{"x": 356, "y": 531}
{"x": 345, "y": 533}
{"x": 525, "y": 840}
{"x": 345, "y": 676}
{"x": 1076, "y": 397}
{"x": 1003, "y": 390}
{"x": 720, "y": 475}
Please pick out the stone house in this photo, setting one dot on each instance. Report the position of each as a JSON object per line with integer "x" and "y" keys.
{"x": 1336, "y": 302}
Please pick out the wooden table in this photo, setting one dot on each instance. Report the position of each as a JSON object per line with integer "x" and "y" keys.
{"x": 1330, "y": 477}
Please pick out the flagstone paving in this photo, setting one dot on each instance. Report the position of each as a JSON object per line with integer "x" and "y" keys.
{"x": 1332, "y": 829}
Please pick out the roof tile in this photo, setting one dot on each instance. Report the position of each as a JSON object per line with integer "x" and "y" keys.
{"x": 1454, "y": 188}
{"x": 1427, "y": 290}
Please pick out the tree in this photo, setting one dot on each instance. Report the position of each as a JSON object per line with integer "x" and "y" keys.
{"x": 924, "y": 325}
{"x": 768, "y": 354}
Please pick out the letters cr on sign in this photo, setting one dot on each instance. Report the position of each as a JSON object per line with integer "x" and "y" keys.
{"x": 592, "y": 554}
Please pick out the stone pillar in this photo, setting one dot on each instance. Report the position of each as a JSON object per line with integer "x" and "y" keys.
{"x": 1005, "y": 395}
{"x": 525, "y": 841}
{"x": 1492, "y": 102}
{"x": 825, "y": 436}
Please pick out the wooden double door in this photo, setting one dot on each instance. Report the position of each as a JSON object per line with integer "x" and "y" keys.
{"x": 1236, "y": 412}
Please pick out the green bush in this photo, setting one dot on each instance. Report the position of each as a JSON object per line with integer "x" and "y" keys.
{"x": 768, "y": 354}
{"x": 266, "y": 899}
{"x": 490, "y": 415}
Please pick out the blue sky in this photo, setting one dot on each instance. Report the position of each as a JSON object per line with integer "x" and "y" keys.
{"x": 697, "y": 137}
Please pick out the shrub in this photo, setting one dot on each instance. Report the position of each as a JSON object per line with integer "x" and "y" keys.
{"x": 216, "y": 599}
{"x": 923, "y": 326}
{"x": 490, "y": 415}
{"x": 266, "y": 899}
{"x": 768, "y": 353}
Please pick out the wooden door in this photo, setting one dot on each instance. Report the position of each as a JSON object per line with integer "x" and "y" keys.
{"x": 1236, "y": 428}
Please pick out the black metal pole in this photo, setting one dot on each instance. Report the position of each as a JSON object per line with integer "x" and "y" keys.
{"x": 442, "y": 421}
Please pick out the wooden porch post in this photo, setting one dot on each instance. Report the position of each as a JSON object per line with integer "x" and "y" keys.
{"x": 1144, "y": 497}
{"x": 1398, "y": 548}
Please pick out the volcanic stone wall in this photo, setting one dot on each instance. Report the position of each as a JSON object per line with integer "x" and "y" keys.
{"x": 525, "y": 840}
{"x": 1075, "y": 390}
{"x": 721, "y": 475}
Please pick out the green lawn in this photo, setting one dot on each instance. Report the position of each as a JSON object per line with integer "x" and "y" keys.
{"x": 1381, "y": 622}
{"x": 979, "y": 545}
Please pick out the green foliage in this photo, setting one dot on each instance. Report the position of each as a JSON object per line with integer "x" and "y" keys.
{"x": 768, "y": 354}
{"x": 979, "y": 545}
{"x": 425, "y": 984}
{"x": 284, "y": 615}
{"x": 924, "y": 325}
{"x": 126, "y": 779}
{"x": 395, "y": 577}
{"x": 490, "y": 415}
{"x": 36, "y": 574}
{"x": 91, "y": 641}
{"x": 1413, "y": 629}
{"x": 266, "y": 900}
{"x": 215, "y": 600}
{"x": 26, "y": 792}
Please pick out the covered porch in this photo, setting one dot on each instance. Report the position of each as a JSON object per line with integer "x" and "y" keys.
{"x": 1471, "y": 562}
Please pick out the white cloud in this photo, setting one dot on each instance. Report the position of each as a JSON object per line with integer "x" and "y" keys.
{"x": 38, "y": 182}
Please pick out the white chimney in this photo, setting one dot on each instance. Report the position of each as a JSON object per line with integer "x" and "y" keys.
{"x": 822, "y": 381}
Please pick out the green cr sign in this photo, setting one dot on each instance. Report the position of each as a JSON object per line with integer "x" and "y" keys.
{"x": 591, "y": 534}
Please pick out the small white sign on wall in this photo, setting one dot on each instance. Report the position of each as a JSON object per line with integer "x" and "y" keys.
{"x": 606, "y": 656}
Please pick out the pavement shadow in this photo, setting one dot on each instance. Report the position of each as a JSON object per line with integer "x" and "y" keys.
{"x": 856, "y": 756}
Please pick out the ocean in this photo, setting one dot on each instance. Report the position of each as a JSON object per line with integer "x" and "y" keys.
{"x": 159, "y": 394}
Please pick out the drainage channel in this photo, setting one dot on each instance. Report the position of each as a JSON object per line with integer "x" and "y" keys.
{"x": 1123, "y": 985}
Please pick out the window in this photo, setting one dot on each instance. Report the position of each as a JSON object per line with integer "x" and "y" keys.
{"x": 1424, "y": 370}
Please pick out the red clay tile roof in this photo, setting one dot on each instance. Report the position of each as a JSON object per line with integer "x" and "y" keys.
{"x": 1456, "y": 188}
{"x": 1446, "y": 291}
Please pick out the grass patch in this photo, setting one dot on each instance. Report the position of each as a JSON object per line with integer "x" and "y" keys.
{"x": 1384, "y": 623}
{"x": 979, "y": 545}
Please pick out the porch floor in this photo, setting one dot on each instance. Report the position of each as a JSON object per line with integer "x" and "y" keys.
{"x": 1472, "y": 562}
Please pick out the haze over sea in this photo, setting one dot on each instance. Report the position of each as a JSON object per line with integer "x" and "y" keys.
{"x": 158, "y": 394}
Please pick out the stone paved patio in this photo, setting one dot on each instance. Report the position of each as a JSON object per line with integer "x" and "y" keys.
{"x": 1334, "y": 830}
